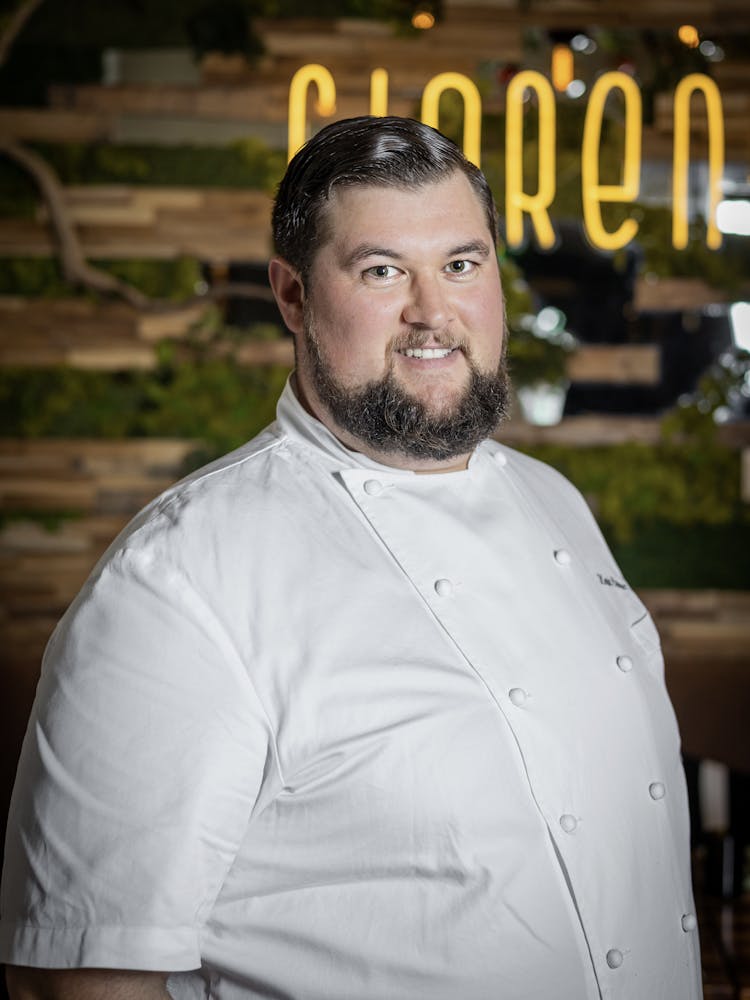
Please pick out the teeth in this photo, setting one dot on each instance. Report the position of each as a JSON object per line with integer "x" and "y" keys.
{"x": 427, "y": 352}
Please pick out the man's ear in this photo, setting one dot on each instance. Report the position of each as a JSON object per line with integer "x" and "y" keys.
{"x": 288, "y": 291}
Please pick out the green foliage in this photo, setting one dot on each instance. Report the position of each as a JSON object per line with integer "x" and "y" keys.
{"x": 50, "y": 520}
{"x": 211, "y": 332}
{"x": 175, "y": 280}
{"x": 726, "y": 268}
{"x": 669, "y": 555}
{"x": 721, "y": 391}
{"x": 632, "y": 485}
{"x": 515, "y": 291}
{"x": 41, "y": 277}
{"x": 215, "y": 401}
{"x": 208, "y": 399}
{"x": 534, "y": 359}
{"x": 247, "y": 163}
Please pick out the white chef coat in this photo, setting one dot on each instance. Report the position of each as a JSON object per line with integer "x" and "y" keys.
{"x": 322, "y": 729}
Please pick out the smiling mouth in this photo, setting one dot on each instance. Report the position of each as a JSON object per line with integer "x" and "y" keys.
{"x": 428, "y": 352}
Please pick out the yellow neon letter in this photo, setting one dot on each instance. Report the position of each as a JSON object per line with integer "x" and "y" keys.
{"x": 517, "y": 201}
{"x": 472, "y": 109}
{"x": 715, "y": 114}
{"x": 379, "y": 93}
{"x": 326, "y": 104}
{"x": 592, "y": 191}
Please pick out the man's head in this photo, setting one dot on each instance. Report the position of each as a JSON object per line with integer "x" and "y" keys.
{"x": 387, "y": 276}
{"x": 382, "y": 152}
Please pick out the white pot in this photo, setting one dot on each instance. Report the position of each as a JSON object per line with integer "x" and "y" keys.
{"x": 542, "y": 403}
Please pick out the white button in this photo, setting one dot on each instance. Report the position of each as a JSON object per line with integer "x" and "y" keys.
{"x": 656, "y": 790}
{"x": 517, "y": 696}
{"x": 443, "y": 588}
{"x": 624, "y": 663}
{"x": 568, "y": 822}
{"x": 562, "y": 556}
{"x": 373, "y": 487}
{"x": 500, "y": 458}
{"x": 614, "y": 958}
{"x": 689, "y": 923}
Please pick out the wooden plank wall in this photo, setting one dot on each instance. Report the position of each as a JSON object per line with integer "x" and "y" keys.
{"x": 162, "y": 223}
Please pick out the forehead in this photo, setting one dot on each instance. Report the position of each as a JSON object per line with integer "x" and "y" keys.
{"x": 447, "y": 207}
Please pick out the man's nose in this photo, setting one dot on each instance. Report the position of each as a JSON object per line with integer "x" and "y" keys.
{"x": 428, "y": 304}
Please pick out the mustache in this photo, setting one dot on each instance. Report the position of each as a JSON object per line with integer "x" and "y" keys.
{"x": 416, "y": 339}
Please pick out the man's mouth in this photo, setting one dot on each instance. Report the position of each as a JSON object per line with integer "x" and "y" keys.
{"x": 427, "y": 352}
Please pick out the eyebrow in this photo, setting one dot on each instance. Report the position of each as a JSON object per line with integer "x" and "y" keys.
{"x": 478, "y": 247}
{"x": 365, "y": 250}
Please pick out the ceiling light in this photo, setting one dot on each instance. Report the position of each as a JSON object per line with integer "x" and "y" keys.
{"x": 562, "y": 67}
{"x": 576, "y": 88}
{"x": 423, "y": 20}
{"x": 688, "y": 35}
{"x": 583, "y": 44}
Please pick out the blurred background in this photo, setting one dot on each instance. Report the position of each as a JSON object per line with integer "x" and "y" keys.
{"x": 140, "y": 145}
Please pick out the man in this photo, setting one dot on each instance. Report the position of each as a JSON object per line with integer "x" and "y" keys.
{"x": 351, "y": 713}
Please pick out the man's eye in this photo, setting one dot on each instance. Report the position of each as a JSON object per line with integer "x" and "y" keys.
{"x": 460, "y": 266}
{"x": 382, "y": 271}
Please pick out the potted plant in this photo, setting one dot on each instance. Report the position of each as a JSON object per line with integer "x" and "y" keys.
{"x": 538, "y": 352}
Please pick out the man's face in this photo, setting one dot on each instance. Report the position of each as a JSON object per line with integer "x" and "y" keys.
{"x": 402, "y": 349}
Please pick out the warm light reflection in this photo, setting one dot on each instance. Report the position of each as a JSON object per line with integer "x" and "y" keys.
{"x": 688, "y": 35}
{"x": 472, "y": 109}
{"x": 423, "y": 20}
{"x": 681, "y": 157}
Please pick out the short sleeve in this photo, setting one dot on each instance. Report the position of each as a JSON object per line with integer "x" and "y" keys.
{"x": 142, "y": 763}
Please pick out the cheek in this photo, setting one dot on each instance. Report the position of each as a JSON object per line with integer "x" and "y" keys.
{"x": 364, "y": 328}
{"x": 488, "y": 318}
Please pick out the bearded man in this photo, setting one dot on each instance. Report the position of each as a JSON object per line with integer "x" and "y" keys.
{"x": 350, "y": 714}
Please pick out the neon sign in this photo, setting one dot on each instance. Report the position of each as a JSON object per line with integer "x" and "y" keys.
{"x": 520, "y": 203}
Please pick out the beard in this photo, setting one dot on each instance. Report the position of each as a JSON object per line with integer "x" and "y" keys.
{"x": 384, "y": 415}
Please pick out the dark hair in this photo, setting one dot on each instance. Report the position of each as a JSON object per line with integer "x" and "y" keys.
{"x": 385, "y": 152}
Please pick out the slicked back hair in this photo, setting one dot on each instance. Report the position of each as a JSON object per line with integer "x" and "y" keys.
{"x": 382, "y": 152}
